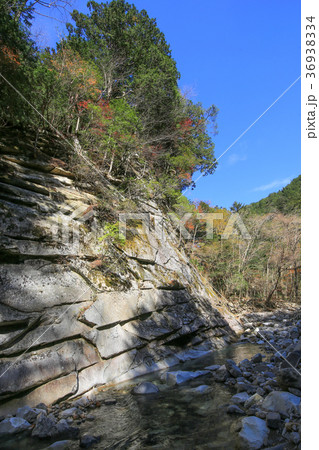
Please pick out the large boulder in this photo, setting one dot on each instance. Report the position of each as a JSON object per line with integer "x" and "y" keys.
{"x": 288, "y": 378}
{"x": 283, "y": 402}
{"x": 13, "y": 425}
{"x": 254, "y": 433}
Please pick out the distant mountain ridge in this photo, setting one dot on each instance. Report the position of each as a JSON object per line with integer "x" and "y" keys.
{"x": 286, "y": 201}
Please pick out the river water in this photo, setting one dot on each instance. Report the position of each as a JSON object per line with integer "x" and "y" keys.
{"x": 178, "y": 417}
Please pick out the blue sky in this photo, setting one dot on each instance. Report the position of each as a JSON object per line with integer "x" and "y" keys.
{"x": 240, "y": 56}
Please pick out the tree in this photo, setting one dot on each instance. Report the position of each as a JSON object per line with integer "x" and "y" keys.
{"x": 136, "y": 66}
{"x": 17, "y": 59}
{"x": 112, "y": 84}
{"x": 70, "y": 83}
{"x": 133, "y": 56}
{"x": 23, "y": 10}
{"x": 236, "y": 207}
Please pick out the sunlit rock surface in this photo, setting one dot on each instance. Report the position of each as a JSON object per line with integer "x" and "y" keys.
{"x": 76, "y": 312}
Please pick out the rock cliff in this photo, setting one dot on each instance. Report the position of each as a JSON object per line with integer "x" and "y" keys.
{"x": 77, "y": 312}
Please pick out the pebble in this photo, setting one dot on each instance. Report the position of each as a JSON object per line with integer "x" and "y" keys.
{"x": 90, "y": 417}
{"x": 257, "y": 358}
{"x": 294, "y": 437}
{"x": 239, "y": 399}
{"x": 87, "y": 440}
{"x": 145, "y": 388}
{"x": 69, "y": 412}
{"x": 60, "y": 445}
{"x": 234, "y": 409}
{"x": 232, "y": 368}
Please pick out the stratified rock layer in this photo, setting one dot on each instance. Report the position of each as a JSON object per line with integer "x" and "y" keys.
{"x": 76, "y": 312}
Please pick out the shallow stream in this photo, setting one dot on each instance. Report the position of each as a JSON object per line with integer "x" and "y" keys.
{"x": 178, "y": 417}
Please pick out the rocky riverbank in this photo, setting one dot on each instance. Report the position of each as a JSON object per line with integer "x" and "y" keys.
{"x": 268, "y": 393}
{"x": 263, "y": 409}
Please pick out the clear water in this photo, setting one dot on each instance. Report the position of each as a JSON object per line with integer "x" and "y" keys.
{"x": 177, "y": 417}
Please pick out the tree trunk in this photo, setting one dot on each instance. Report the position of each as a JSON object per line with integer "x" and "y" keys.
{"x": 111, "y": 164}
{"x": 268, "y": 299}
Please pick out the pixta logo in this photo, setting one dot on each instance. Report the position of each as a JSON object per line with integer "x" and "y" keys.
{"x": 155, "y": 224}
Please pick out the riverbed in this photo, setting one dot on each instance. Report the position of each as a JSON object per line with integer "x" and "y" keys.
{"x": 178, "y": 417}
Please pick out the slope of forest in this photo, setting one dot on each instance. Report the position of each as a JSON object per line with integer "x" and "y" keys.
{"x": 286, "y": 201}
{"x": 262, "y": 269}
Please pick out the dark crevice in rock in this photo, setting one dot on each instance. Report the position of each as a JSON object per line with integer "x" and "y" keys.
{"x": 25, "y": 238}
{"x": 171, "y": 288}
{"x": 44, "y": 346}
{"x": 8, "y": 327}
{"x": 42, "y": 167}
{"x": 85, "y": 278}
{"x": 21, "y": 193}
{"x": 25, "y": 185}
{"x": 141, "y": 317}
{"x": 142, "y": 261}
{"x": 5, "y": 398}
{"x": 19, "y": 201}
{"x": 139, "y": 347}
{"x": 182, "y": 341}
{"x": 162, "y": 338}
{"x": 76, "y": 302}
{"x": 13, "y": 257}
{"x": 30, "y": 326}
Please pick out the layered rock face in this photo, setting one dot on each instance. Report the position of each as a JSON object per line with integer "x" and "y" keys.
{"x": 77, "y": 311}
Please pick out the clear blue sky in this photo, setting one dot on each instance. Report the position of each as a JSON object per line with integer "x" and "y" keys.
{"x": 240, "y": 56}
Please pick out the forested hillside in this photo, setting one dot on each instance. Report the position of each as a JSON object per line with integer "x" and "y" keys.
{"x": 263, "y": 268}
{"x": 286, "y": 201}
